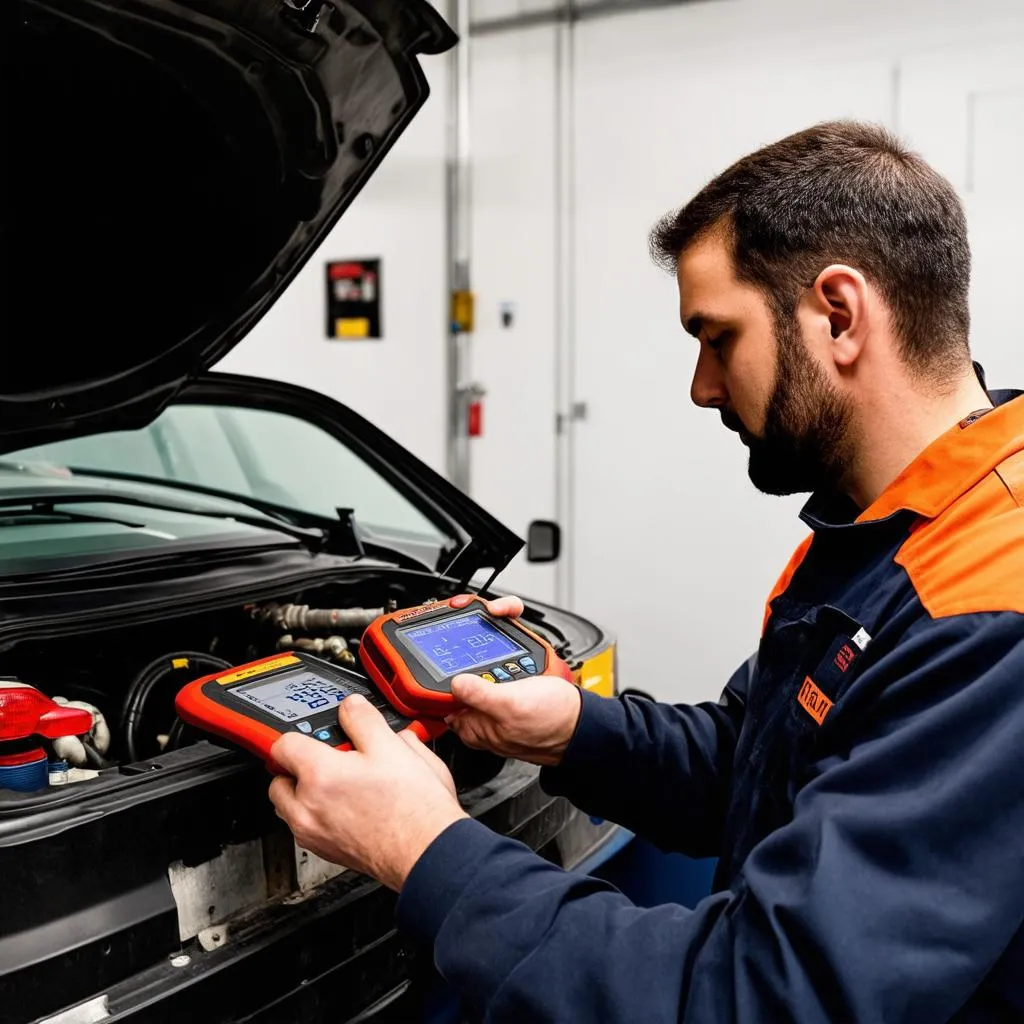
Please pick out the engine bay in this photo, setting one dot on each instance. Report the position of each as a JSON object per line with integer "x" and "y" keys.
{"x": 127, "y": 676}
{"x": 158, "y": 853}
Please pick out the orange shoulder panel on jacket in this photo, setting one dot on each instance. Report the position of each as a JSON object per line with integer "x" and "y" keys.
{"x": 971, "y": 558}
{"x": 786, "y": 578}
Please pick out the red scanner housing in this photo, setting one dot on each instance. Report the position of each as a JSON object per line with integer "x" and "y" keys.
{"x": 414, "y": 654}
{"x": 253, "y": 705}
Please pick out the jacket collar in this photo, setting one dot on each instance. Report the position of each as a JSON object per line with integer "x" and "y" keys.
{"x": 948, "y": 468}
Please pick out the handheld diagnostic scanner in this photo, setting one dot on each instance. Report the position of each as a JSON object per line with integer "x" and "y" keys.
{"x": 414, "y": 654}
{"x": 253, "y": 705}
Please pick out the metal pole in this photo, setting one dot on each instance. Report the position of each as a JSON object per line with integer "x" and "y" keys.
{"x": 461, "y": 393}
{"x": 564, "y": 149}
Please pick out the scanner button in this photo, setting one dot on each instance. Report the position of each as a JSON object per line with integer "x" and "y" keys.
{"x": 304, "y": 727}
{"x": 501, "y": 675}
{"x": 487, "y": 677}
{"x": 324, "y": 734}
{"x": 513, "y": 667}
{"x": 529, "y": 664}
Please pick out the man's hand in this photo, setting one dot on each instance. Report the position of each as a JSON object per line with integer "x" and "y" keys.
{"x": 531, "y": 719}
{"x": 375, "y": 808}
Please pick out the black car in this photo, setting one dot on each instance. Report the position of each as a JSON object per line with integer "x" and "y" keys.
{"x": 158, "y": 521}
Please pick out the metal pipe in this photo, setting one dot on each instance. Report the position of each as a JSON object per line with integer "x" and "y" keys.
{"x": 462, "y": 151}
{"x": 567, "y": 13}
{"x": 563, "y": 147}
{"x": 335, "y": 647}
{"x": 459, "y": 246}
{"x": 301, "y": 616}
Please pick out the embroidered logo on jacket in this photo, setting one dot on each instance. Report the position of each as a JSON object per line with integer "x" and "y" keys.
{"x": 813, "y": 701}
{"x": 844, "y": 657}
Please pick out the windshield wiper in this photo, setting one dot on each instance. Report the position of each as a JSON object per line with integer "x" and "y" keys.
{"x": 49, "y": 504}
{"x": 51, "y": 515}
{"x": 340, "y": 535}
{"x": 333, "y": 530}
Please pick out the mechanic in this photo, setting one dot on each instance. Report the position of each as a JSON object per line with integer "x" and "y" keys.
{"x": 861, "y": 779}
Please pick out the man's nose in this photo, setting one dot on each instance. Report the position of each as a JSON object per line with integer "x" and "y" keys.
{"x": 708, "y": 387}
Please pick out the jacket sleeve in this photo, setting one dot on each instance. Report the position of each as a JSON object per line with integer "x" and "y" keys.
{"x": 888, "y": 897}
{"x": 663, "y": 771}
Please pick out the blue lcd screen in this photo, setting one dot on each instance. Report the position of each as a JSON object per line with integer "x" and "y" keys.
{"x": 460, "y": 644}
{"x": 293, "y": 696}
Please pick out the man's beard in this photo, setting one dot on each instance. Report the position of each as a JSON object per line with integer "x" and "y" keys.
{"x": 806, "y": 442}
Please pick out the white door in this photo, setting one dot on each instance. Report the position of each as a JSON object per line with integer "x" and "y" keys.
{"x": 513, "y": 350}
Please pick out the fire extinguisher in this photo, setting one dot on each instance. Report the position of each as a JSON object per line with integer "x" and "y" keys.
{"x": 475, "y": 410}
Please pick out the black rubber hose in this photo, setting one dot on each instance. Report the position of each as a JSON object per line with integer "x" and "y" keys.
{"x": 147, "y": 680}
{"x": 94, "y": 758}
{"x": 175, "y": 736}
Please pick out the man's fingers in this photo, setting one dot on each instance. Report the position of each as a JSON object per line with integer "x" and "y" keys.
{"x": 494, "y": 699}
{"x": 364, "y": 724}
{"x": 470, "y": 730}
{"x": 282, "y": 796}
{"x": 433, "y": 762}
{"x": 463, "y": 727}
{"x": 473, "y": 692}
{"x": 504, "y": 607}
{"x": 294, "y": 754}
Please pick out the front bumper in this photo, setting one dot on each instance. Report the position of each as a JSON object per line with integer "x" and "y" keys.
{"x": 334, "y": 954}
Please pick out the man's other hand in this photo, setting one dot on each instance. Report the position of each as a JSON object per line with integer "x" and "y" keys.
{"x": 375, "y": 808}
{"x": 530, "y": 719}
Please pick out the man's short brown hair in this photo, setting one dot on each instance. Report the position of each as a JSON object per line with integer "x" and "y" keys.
{"x": 843, "y": 192}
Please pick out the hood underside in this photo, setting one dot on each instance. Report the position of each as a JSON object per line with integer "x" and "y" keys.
{"x": 176, "y": 166}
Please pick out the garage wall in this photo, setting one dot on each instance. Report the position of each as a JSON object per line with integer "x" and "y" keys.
{"x": 672, "y": 548}
{"x": 399, "y": 381}
{"x": 513, "y": 127}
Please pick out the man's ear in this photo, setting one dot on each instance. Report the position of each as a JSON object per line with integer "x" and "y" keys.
{"x": 841, "y": 294}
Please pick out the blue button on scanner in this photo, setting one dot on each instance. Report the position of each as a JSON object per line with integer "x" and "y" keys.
{"x": 501, "y": 675}
{"x": 323, "y": 734}
{"x": 529, "y": 664}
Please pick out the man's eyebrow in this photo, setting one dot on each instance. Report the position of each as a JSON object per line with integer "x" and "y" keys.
{"x": 696, "y": 322}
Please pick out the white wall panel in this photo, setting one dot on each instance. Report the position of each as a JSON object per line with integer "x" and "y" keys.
{"x": 513, "y": 188}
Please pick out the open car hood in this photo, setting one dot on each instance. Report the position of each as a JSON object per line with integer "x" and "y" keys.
{"x": 178, "y": 164}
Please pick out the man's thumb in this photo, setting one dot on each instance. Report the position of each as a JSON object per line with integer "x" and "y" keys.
{"x": 474, "y": 692}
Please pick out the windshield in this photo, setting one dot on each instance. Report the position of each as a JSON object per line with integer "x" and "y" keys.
{"x": 52, "y": 530}
{"x": 255, "y": 454}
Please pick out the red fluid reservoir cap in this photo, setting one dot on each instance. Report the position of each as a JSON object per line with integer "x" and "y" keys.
{"x": 25, "y": 712}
